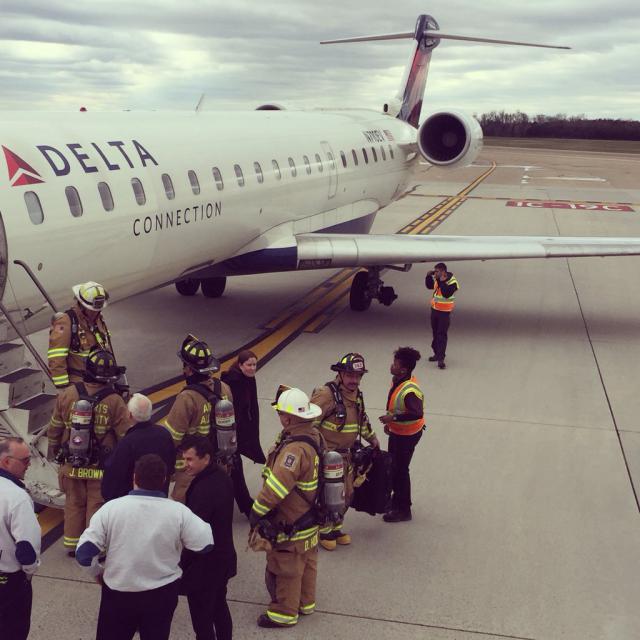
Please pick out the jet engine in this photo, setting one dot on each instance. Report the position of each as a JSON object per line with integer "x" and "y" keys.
{"x": 450, "y": 139}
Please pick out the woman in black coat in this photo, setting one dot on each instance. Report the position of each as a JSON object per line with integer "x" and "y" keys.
{"x": 241, "y": 377}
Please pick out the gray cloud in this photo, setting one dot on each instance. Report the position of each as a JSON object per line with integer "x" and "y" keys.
{"x": 163, "y": 54}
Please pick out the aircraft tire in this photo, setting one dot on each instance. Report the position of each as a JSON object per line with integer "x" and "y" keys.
{"x": 358, "y": 296}
{"x": 213, "y": 287}
{"x": 188, "y": 286}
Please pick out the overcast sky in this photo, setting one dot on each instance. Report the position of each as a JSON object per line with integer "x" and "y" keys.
{"x": 163, "y": 54}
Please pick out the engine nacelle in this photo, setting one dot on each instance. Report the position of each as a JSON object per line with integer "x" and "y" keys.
{"x": 450, "y": 139}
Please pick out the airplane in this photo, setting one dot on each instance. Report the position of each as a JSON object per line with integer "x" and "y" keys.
{"x": 137, "y": 201}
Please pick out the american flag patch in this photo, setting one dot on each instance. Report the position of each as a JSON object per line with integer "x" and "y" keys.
{"x": 389, "y": 135}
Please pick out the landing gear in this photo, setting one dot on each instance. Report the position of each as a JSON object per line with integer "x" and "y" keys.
{"x": 366, "y": 286}
{"x": 213, "y": 287}
{"x": 188, "y": 286}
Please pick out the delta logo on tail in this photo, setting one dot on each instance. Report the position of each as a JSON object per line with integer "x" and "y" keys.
{"x": 20, "y": 172}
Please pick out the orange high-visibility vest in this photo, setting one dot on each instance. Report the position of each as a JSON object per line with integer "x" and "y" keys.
{"x": 396, "y": 405}
{"x": 439, "y": 302}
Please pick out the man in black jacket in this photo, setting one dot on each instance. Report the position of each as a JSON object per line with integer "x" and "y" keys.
{"x": 205, "y": 577}
{"x": 144, "y": 437}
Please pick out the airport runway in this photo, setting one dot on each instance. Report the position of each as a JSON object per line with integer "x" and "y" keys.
{"x": 525, "y": 485}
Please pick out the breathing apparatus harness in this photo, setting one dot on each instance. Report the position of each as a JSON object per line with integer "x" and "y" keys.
{"x": 121, "y": 386}
{"x": 327, "y": 507}
{"x": 83, "y": 449}
{"x": 222, "y": 421}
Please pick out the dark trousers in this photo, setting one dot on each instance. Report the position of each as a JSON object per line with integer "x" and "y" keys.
{"x": 439, "y": 326}
{"x": 210, "y": 615}
{"x": 15, "y": 606}
{"x": 401, "y": 449}
{"x": 122, "y": 613}
{"x": 240, "y": 490}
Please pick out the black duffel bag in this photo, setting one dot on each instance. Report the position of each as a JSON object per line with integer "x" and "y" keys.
{"x": 373, "y": 496}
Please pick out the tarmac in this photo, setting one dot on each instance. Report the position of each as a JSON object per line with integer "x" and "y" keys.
{"x": 525, "y": 518}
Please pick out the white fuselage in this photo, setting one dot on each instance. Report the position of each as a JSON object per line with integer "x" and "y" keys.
{"x": 135, "y": 247}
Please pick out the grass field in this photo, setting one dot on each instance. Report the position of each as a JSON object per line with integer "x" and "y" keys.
{"x": 604, "y": 146}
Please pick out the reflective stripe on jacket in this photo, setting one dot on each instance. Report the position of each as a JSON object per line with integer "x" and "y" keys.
{"x": 439, "y": 302}
{"x": 396, "y": 406}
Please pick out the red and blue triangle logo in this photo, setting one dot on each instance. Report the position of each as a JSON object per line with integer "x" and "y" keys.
{"x": 20, "y": 172}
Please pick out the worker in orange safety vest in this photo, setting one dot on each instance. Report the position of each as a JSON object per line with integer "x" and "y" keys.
{"x": 444, "y": 286}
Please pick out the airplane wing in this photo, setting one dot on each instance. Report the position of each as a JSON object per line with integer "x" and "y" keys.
{"x": 344, "y": 250}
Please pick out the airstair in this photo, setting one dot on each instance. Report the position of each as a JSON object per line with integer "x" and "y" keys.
{"x": 27, "y": 398}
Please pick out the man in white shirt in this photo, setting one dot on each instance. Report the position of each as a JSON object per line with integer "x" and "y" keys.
{"x": 19, "y": 540}
{"x": 143, "y": 534}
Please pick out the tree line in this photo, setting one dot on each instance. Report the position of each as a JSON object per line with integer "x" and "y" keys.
{"x": 520, "y": 125}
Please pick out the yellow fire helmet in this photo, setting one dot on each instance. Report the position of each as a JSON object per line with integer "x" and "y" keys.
{"x": 91, "y": 295}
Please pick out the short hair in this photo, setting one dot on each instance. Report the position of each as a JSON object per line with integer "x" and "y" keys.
{"x": 408, "y": 356}
{"x": 441, "y": 265}
{"x": 200, "y": 444}
{"x": 140, "y": 407}
{"x": 5, "y": 444}
{"x": 150, "y": 472}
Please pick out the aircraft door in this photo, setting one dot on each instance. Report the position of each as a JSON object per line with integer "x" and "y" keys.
{"x": 4, "y": 258}
{"x": 331, "y": 166}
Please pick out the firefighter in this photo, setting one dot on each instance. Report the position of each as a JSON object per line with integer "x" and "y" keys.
{"x": 191, "y": 412}
{"x": 343, "y": 421}
{"x": 75, "y": 332}
{"x": 444, "y": 286}
{"x": 284, "y": 507}
{"x": 81, "y": 442}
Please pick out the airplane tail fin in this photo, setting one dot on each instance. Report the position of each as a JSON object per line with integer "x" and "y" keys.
{"x": 408, "y": 101}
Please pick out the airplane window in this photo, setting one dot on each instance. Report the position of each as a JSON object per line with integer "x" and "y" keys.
{"x": 73, "y": 198}
{"x": 319, "y": 162}
{"x": 365, "y": 156}
{"x": 294, "y": 171}
{"x": 105, "y": 196}
{"x": 384, "y": 155}
{"x": 259, "y": 175}
{"x": 375, "y": 155}
{"x": 307, "y": 164}
{"x": 34, "y": 207}
{"x": 332, "y": 164}
{"x": 217, "y": 176}
{"x": 138, "y": 191}
{"x": 391, "y": 151}
{"x": 238, "y": 170}
{"x": 355, "y": 157}
{"x": 276, "y": 169}
{"x": 344, "y": 159}
{"x": 193, "y": 180}
{"x": 168, "y": 186}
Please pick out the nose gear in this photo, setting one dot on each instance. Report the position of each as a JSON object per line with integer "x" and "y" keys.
{"x": 197, "y": 355}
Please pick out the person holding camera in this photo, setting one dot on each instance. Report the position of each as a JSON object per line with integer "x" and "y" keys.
{"x": 444, "y": 286}
{"x": 343, "y": 420}
{"x": 81, "y": 438}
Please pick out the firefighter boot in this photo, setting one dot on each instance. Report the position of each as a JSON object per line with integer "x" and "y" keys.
{"x": 328, "y": 542}
{"x": 343, "y": 538}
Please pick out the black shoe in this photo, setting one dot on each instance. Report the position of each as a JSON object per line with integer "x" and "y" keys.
{"x": 395, "y": 515}
{"x": 433, "y": 359}
{"x": 72, "y": 553}
{"x": 441, "y": 364}
{"x": 265, "y": 621}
